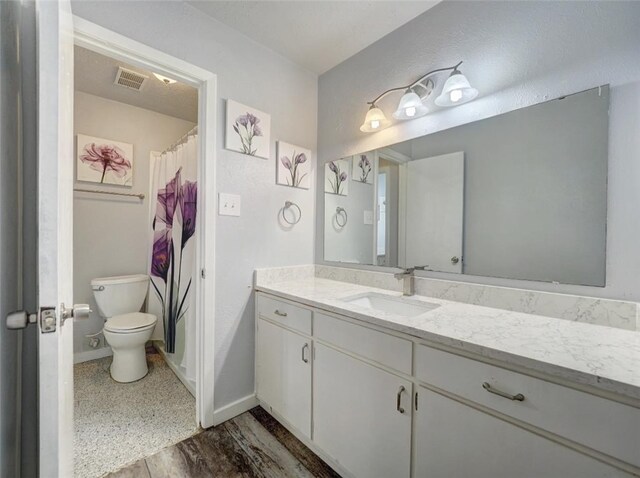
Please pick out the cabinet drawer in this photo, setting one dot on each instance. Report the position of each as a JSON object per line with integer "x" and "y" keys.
{"x": 604, "y": 425}
{"x": 385, "y": 349}
{"x": 284, "y": 313}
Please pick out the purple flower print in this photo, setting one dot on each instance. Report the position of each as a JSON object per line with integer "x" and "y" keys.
{"x": 365, "y": 168}
{"x": 165, "y": 264}
{"x": 167, "y": 200}
{"x": 339, "y": 178}
{"x": 295, "y": 178}
{"x": 106, "y": 157}
{"x": 286, "y": 162}
{"x": 246, "y": 126}
{"x": 188, "y": 207}
{"x": 161, "y": 255}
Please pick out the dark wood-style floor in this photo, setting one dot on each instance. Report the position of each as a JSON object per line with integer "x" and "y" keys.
{"x": 253, "y": 444}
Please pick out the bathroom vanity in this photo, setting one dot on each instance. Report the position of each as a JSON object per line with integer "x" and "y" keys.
{"x": 384, "y": 386}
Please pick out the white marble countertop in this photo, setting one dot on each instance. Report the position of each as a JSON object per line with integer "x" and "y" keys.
{"x": 601, "y": 357}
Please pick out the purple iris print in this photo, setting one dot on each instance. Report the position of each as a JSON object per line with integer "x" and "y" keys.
{"x": 167, "y": 200}
{"x": 246, "y": 126}
{"x": 161, "y": 258}
{"x": 188, "y": 207}
{"x": 176, "y": 205}
{"x": 337, "y": 182}
{"x": 365, "y": 168}
{"x": 295, "y": 177}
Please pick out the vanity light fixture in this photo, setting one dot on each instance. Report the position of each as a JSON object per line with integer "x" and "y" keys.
{"x": 456, "y": 91}
{"x": 375, "y": 120}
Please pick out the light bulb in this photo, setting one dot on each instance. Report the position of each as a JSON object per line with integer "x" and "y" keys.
{"x": 375, "y": 124}
{"x": 410, "y": 106}
{"x": 456, "y": 90}
{"x": 164, "y": 79}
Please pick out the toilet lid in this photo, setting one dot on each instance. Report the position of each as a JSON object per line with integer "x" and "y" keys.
{"x": 131, "y": 321}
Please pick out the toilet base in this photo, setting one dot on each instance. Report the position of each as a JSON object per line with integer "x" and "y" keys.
{"x": 129, "y": 356}
{"x": 129, "y": 365}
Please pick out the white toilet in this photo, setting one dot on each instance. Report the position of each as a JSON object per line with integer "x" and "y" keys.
{"x": 126, "y": 330}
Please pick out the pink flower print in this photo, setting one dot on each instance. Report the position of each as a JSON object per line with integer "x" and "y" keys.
{"x": 106, "y": 157}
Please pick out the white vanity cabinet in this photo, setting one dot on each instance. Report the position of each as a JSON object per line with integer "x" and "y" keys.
{"x": 379, "y": 403}
{"x": 455, "y": 440}
{"x": 283, "y": 369}
{"x": 361, "y": 415}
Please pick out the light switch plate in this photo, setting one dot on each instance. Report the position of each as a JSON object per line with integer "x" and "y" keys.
{"x": 228, "y": 204}
{"x": 368, "y": 217}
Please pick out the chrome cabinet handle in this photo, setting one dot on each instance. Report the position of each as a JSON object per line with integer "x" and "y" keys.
{"x": 455, "y": 260}
{"x": 281, "y": 314}
{"x": 399, "y": 399}
{"x": 487, "y": 386}
{"x": 304, "y": 358}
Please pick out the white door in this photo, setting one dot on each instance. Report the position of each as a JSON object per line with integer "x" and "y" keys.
{"x": 55, "y": 224}
{"x": 361, "y": 415}
{"x": 283, "y": 361}
{"x": 452, "y": 439}
{"x": 434, "y": 212}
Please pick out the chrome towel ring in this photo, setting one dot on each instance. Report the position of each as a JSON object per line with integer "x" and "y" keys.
{"x": 287, "y": 205}
{"x": 341, "y": 213}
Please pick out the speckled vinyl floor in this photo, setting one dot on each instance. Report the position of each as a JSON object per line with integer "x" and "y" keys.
{"x": 117, "y": 423}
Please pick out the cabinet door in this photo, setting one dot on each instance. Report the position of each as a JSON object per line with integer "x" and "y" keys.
{"x": 455, "y": 440}
{"x": 283, "y": 374}
{"x": 357, "y": 418}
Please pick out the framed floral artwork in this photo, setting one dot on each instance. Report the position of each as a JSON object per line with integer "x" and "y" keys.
{"x": 104, "y": 161}
{"x": 248, "y": 130}
{"x": 293, "y": 165}
{"x": 363, "y": 168}
{"x": 336, "y": 177}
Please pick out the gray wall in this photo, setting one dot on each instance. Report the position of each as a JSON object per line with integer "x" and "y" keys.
{"x": 110, "y": 233}
{"x": 10, "y": 225}
{"x": 517, "y": 54}
{"x": 254, "y": 75}
{"x": 352, "y": 243}
{"x": 535, "y": 195}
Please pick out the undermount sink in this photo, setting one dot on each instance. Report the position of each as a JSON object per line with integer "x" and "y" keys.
{"x": 391, "y": 305}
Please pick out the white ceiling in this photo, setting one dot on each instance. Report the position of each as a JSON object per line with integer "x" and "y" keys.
{"x": 315, "y": 34}
{"x": 95, "y": 74}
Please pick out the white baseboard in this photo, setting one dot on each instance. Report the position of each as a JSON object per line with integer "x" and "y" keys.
{"x": 92, "y": 354}
{"x": 234, "y": 409}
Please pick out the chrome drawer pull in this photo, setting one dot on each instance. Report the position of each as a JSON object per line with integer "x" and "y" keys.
{"x": 304, "y": 357}
{"x": 399, "y": 398}
{"x": 518, "y": 397}
{"x": 281, "y": 314}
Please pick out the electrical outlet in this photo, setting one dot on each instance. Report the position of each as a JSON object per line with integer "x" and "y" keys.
{"x": 228, "y": 204}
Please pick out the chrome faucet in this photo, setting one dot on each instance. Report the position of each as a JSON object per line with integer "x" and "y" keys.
{"x": 408, "y": 278}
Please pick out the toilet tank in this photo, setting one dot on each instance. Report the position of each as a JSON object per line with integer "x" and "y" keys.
{"x": 120, "y": 294}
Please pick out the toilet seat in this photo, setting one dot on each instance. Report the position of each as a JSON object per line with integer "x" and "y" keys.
{"x": 130, "y": 323}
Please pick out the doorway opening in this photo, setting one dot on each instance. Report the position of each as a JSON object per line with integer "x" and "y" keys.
{"x": 143, "y": 127}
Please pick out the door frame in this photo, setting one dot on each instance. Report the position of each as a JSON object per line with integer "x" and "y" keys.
{"x": 101, "y": 40}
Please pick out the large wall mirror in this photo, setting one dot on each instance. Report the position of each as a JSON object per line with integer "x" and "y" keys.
{"x": 522, "y": 195}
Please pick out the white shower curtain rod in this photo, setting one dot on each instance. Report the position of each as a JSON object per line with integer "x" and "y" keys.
{"x": 183, "y": 139}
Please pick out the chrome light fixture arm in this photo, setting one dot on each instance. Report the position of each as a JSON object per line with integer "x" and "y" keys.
{"x": 414, "y": 84}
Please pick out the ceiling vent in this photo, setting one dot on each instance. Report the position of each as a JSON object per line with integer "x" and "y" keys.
{"x": 130, "y": 79}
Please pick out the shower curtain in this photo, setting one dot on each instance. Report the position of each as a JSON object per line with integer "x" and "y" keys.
{"x": 173, "y": 199}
